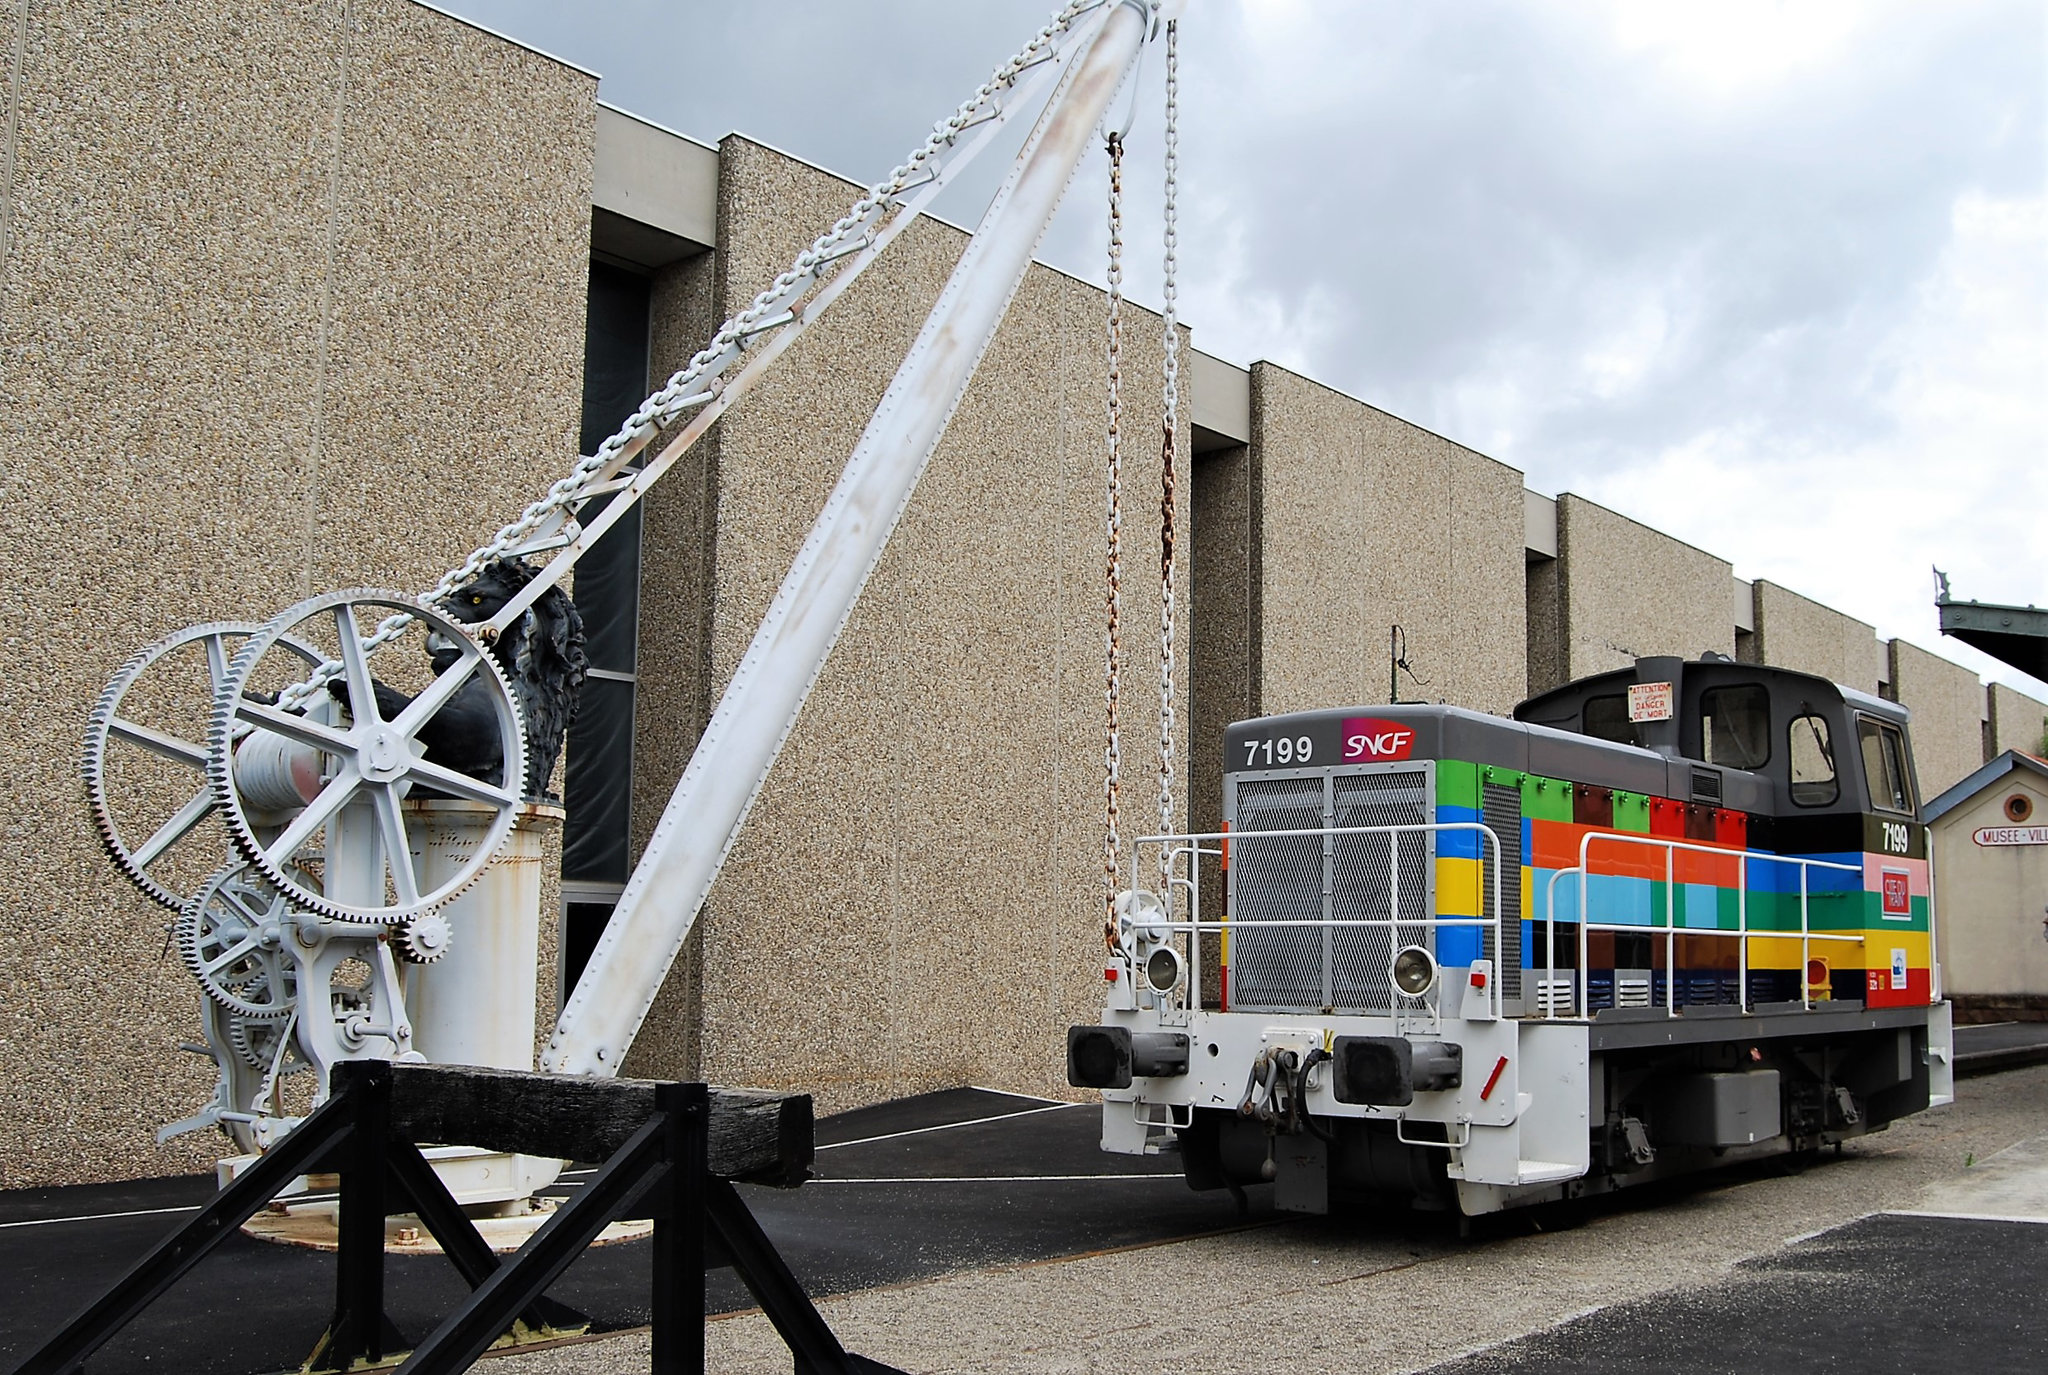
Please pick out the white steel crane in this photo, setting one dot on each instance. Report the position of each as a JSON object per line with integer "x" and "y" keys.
{"x": 360, "y": 913}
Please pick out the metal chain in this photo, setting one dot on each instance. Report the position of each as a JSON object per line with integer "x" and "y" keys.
{"x": 1112, "y": 749}
{"x": 1171, "y": 426}
{"x": 694, "y": 384}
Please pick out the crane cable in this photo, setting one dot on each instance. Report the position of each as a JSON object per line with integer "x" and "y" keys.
{"x": 1112, "y": 750}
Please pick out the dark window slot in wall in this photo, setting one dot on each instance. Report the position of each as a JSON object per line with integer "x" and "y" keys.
{"x": 597, "y": 785}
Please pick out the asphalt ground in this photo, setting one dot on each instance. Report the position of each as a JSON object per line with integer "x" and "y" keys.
{"x": 945, "y": 1182}
{"x": 1886, "y": 1292}
{"x": 1898, "y": 1255}
{"x": 1009, "y": 1200}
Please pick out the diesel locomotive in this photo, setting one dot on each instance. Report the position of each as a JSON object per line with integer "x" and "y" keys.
{"x": 1664, "y": 918}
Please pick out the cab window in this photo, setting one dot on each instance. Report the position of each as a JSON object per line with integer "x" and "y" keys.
{"x": 1813, "y": 762}
{"x": 1883, "y": 747}
{"x": 1735, "y": 726}
{"x": 1606, "y": 718}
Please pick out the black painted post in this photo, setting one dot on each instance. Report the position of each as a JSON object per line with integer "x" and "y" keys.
{"x": 678, "y": 1299}
{"x": 359, "y": 1324}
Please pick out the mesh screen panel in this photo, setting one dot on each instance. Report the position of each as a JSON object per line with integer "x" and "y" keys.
{"x": 1297, "y": 878}
{"x": 1280, "y": 879}
{"x": 1362, "y": 882}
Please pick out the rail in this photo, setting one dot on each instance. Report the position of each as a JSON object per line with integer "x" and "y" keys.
{"x": 1742, "y": 935}
{"x": 1189, "y": 849}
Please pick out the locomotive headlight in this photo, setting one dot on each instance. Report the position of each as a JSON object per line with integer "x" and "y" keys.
{"x": 1414, "y": 971}
{"x": 1162, "y": 969}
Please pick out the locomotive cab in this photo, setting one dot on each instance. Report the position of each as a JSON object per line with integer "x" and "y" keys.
{"x": 1819, "y": 748}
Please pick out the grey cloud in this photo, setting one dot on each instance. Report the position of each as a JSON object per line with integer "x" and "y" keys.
{"x": 1448, "y": 209}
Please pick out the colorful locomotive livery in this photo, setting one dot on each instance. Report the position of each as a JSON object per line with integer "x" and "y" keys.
{"x": 1663, "y": 917}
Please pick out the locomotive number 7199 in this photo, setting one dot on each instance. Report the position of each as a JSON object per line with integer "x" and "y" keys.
{"x": 1285, "y": 749}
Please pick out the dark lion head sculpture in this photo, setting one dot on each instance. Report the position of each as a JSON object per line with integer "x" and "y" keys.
{"x": 542, "y": 655}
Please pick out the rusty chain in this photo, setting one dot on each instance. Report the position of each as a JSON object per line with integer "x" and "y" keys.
{"x": 1112, "y": 750}
{"x": 1170, "y": 424}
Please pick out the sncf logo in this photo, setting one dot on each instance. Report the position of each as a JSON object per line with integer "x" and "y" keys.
{"x": 1372, "y": 739}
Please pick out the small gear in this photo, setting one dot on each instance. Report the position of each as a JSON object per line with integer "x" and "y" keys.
{"x": 231, "y": 935}
{"x": 108, "y": 727}
{"x": 424, "y": 939}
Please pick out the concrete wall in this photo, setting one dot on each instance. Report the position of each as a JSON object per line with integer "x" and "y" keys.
{"x": 1992, "y": 902}
{"x": 1947, "y": 703}
{"x": 916, "y": 900}
{"x": 1625, "y": 590}
{"x": 2016, "y": 722}
{"x": 1366, "y": 521}
{"x": 1797, "y": 632}
{"x": 278, "y": 316}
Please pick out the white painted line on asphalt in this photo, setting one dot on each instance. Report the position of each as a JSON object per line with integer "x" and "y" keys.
{"x": 948, "y": 1126}
{"x": 994, "y": 1179}
{"x": 1033, "y": 1097}
{"x": 1966, "y": 1217}
{"x": 99, "y": 1217}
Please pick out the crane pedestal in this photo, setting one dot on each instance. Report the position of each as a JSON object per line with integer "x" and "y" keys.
{"x": 475, "y": 1005}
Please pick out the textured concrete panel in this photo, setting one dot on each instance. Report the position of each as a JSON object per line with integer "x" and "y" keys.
{"x": 915, "y": 899}
{"x": 678, "y": 540}
{"x": 1367, "y": 522}
{"x": 2017, "y": 722}
{"x": 292, "y": 300}
{"x": 1947, "y": 703}
{"x": 1797, "y": 632}
{"x": 1626, "y": 590}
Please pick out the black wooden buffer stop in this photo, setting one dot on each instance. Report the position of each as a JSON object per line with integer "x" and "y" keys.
{"x": 670, "y": 1151}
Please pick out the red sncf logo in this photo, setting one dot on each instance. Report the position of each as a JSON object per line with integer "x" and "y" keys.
{"x": 1371, "y": 739}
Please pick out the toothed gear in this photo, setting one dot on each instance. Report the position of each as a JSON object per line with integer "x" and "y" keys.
{"x": 425, "y": 938}
{"x": 107, "y": 725}
{"x": 231, "y": 936}
{"x": 369, "y": 759}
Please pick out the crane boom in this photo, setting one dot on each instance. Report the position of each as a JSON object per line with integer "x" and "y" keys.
{"x": 759, "y": 707}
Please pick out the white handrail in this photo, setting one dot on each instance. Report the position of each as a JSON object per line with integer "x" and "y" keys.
{"x": 1189, "y": 843}
{"x": 1741, "y": 934}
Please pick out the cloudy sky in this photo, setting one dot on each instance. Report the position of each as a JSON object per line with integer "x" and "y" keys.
{"x": 1770, "y": 276}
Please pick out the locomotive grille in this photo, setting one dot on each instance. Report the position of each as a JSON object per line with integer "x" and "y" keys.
{"x": 1277, "y": 880}
{"x": 1318, "y": 877}
{"x": 1501, "y": 810}
{"x": 1361, "y": 872}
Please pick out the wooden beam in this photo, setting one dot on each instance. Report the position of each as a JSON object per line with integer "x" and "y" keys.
{"x": 757, "y": 1136}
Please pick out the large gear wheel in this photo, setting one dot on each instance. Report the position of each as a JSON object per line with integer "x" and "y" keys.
{"x": 354, "y": 818}
{"x": 232, "y": 937}
{"x": 163, "y": 727}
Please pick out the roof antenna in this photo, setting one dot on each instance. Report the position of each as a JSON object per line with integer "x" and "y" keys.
{"x": 1397, "y": 664}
